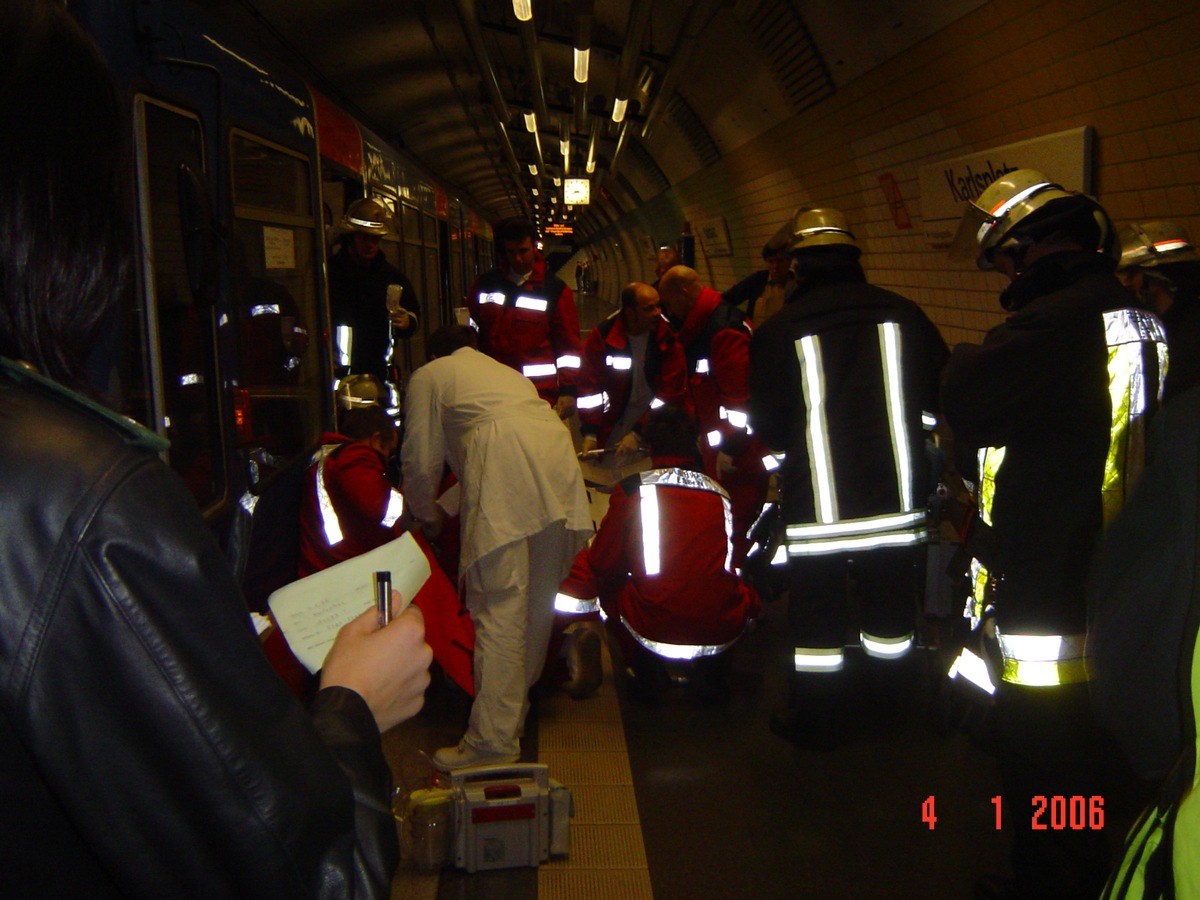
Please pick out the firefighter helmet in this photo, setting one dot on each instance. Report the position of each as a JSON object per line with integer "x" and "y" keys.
{"x": 368, "y": 216}
{"x": 1024, "y": 206}
{"x": 1148, "y": 244}
{"x": 354, "y": 391}
{"x": 820, "y": 228}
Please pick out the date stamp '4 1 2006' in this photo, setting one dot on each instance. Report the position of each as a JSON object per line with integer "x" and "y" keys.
{"x": 1057, "y": 813}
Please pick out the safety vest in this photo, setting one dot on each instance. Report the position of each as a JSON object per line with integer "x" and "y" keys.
{"x": 832, "y": 532}
{"x": 330, "y": 525}
{"x": 1137, "y": 368}
{"x": 649, "y": 484}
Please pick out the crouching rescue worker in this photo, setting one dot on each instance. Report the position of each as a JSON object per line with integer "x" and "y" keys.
{"x": 349, "y": 505}
{"x": 661, "y": 565}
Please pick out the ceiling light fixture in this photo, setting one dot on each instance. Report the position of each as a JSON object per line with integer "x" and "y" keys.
{"x": 619, "y": 109}
{"x": 530, "y": 121}
{"x": 581, "y": 65}
{"x": 523, "y": 9}
{"x": 532, "y": 169}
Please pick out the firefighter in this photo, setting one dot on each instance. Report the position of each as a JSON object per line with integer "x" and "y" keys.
{"x": 716, "y": 345}
{"x": 661, "y": 565}
{"x": 842, "y": 382}
{"x": 1160, "y": 265}
{"x": 631, "y": 362}
{"x": 526, "y": 317}
{"x": 371, "y": 301}
{"x": 1053, "y": 402}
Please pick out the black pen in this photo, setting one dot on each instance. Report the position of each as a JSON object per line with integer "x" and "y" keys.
{"x": 383, "y": 597}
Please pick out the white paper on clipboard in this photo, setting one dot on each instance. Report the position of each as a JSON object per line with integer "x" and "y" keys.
{"x": 311, "y": 611}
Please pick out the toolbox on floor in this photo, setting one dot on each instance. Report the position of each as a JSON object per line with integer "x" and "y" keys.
{"x": 511, "y": 815}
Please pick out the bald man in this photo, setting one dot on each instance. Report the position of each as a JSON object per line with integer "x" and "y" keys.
{"x": 631, "y": 362}
{"x": 716, "y": 345}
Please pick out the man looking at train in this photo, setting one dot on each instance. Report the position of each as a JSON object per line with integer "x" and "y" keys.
{"x": 716, "y": 345}
{"x": 522, "y": 500}
{"x": 527, "y": 318}
{"x": 631, "y": 361}
{"x": 371, "y": 301}
{"x": 839, "y": 380}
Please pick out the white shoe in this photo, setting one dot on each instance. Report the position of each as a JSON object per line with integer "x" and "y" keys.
{"x": 464, "y": 756}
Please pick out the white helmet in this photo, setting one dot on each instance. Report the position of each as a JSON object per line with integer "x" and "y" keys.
{"x": 1150, "y": 244}
{"x": 1015, "y": 207}
{"x": 368, "y": 216}
{"x": 354, "y": 391}
{"x": 815, "y": 227}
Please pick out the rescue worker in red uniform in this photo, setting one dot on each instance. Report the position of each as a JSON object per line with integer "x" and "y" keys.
{"x": 526, "y": 318}
{"x": 661, "y": 565}
{"x": 349, "y": 506}
{"x": 716, "y": 344}
{"x": 842, "y": 380}
{"x": 631, "y": 364}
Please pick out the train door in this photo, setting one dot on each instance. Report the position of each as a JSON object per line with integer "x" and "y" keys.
{"x": 165, "y": 373}
{"x": 274, "y": 260}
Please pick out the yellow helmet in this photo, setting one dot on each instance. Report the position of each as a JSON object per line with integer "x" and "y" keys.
{"x": 369, "y": 216}
{"x": 1014, "y": 205}
{"x": 363, "y": 389}
{"x": 816, "y": 227}
{"x": 1148, "y": 244}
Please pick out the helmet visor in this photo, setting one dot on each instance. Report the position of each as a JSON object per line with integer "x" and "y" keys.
{"x": 973, "y": 226}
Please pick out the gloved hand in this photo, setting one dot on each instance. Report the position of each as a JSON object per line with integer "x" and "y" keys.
{"x": 400, "y": 318}
{"x": 564, "y": 407}
{"x": 589, "y": 444}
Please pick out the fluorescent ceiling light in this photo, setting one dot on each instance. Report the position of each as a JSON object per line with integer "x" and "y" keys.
{"x": 581, "y": 65}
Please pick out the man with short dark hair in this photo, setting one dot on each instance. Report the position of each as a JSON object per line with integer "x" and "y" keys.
{"x": 765, "y": 292}
{"x": 526, "y": 317}
{"x": 631, "y": 363}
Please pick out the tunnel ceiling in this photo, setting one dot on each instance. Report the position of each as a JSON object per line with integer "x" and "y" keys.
{"x": 452, "y": 82}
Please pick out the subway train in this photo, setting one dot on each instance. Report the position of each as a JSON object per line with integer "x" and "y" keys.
{"x": 738, "y": 113}
{"x": 224, "y": 345}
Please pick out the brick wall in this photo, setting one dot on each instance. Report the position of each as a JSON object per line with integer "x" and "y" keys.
{"x": 1009, "y": 71}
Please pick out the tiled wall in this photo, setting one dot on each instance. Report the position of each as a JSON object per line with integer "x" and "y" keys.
{"x": 1011, "y": 70}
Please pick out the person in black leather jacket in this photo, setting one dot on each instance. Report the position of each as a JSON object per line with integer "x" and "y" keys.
{"x": 147, "y": 749}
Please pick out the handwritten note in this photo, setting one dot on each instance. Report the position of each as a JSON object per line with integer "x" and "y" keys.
{"x": 311, "y": 611}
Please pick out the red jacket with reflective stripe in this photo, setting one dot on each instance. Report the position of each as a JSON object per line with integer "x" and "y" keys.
{"x": 358, "y": 487}
{"x": 521, "y": 336}
{"x": 693, "y": 600}
{"x": 725, "y": 353}
{"x": 666, "y": 373}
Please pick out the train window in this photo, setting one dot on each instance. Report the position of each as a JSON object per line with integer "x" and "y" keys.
{"x": 274, "y": 260}
{"x": 181, "y": 357}
{"x": 268, "y": 177}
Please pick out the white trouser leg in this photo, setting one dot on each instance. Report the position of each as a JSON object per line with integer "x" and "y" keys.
{"x": 512, "y": 605}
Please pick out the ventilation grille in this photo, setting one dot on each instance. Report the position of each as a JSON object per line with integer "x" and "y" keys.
{"x": 650, "y": 168}
{"x": 693, "y": 130}
{"x": 790, "y": 53}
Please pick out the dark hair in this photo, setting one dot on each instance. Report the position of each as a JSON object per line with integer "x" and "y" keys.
{"x": 449, "y": 338}
{"x": 65, "y": 228}
{"x": 363, "y": 421}
{"x": 515, "y": 230}
{"x": 670, "y": 431}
